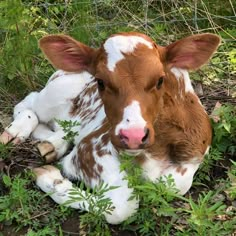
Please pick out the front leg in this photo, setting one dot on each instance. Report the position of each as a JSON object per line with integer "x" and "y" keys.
{"x": 50, "y": 180}
{"x": 182, "y": 175}
{"x": 52, "y": 145}
{"x": 87, "y": 163}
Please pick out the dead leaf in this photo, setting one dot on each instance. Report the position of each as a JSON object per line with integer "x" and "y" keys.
{"x": 213, "y": 115}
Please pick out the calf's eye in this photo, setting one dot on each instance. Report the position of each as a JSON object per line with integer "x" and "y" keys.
{"x": 100, "y": 84}
{"x": 160, "y": 82}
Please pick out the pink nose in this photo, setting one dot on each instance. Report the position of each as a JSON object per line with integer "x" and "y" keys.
{"x": 134, "y": 137}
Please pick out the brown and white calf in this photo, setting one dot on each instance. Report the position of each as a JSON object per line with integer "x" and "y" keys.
{"x": 129, "y": 95}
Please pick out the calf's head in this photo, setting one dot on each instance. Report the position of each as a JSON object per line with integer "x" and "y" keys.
{"x": 132, "y": 73}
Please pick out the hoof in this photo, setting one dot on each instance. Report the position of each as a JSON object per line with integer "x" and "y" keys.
{"x": 47, "y": 170}
{"x": 47, "y": 151}
{"x": 50, "y": 180}
{"x": 6, "y": 138}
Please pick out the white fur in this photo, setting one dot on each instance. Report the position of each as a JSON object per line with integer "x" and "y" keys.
{"x": 182, "y": 182}
{"x": 183, "y": 74}
{"x": 25, "y": 118}
{"x": 52, "y": 182}
{"x": 44, "y": 133}
{"x": 117, "y": 45}
{"x": 68, "y": 168}
{"x": 112, "y": 175}
{"x": 154, "y": 169}
{"x": 55, "y": 99}
{"x": 132, "y": 118}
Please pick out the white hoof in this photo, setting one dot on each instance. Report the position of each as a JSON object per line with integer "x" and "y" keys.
{"x": 6, "y": 138}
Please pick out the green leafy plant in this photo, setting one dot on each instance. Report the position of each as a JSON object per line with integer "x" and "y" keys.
{"x": 203, "y": 212}
{"x": 231, "y": 190}
{"x": 223, "y": 143}
{"x": 225, "y": 129}
{"x": 96, "y": 203}
{"x": 26, "y": 206}
{"x": 67, "y": 126}
{"x": 154, "y": 197}
{"x": 5, "y": 150}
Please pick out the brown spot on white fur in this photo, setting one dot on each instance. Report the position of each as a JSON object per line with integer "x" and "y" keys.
{"x": 181, "y": 170}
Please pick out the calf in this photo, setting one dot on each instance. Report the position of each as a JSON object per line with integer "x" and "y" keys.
{"x": 129, "y": 95}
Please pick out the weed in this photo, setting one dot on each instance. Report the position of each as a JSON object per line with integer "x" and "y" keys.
{"x": 203, "y": 212}
{"x": 47, "y": 231}
{"x": 231, "y": 191}
{"x": 5, "y": 150}
{"x": 67, "y": 126}
{"x": 223, "y": 143}
{"x": 96, "y": 203}
{"x": 225, "y": 129}
{"x": 26, "y": 207}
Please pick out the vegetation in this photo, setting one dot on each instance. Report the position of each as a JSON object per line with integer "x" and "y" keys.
{"x": 209, "y": 208}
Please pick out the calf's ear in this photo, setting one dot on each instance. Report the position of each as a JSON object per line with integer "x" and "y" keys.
{"x": 67, "y": 54}
{"x": 192, "y": 52}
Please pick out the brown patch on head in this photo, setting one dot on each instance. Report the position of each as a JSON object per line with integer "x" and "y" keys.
{"x": 183, "y": 130}
{"x": 135, "y": 78}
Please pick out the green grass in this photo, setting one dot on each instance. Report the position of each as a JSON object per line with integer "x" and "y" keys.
{"x": 24, "y": 206}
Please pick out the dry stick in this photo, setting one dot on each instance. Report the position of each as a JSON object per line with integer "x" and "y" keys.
{"x": 41, "y": 214}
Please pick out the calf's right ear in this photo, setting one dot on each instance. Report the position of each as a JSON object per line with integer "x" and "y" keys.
{"x": 67, "y": 54}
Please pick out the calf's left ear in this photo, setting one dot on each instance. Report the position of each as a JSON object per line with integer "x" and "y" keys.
{"x": 191, "y": 52}
{"x": 66, "y": 53}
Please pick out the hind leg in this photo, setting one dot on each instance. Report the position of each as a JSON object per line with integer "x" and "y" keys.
{"x": 25, "y": 121}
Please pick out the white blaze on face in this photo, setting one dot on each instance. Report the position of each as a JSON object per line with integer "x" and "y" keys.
{"x": 132, "y": 118}
{"x": 181, "y": 73}
{"x": 117, "y": 45}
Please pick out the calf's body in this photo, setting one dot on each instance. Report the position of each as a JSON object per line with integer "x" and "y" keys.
{"x": 129, "y": 95}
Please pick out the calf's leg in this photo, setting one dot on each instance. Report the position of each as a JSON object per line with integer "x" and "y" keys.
{"x": 25, "y": 121}
{"x": 52, "y": 146}
{"x": 50, "y": 180}
{"x": 182, "y": 175}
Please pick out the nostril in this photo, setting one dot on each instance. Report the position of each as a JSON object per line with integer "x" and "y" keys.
{"x": 145, "y": 138}
{"x": 123, "y": 136}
